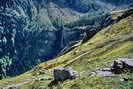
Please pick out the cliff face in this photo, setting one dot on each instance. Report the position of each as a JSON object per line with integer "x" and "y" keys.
{"x": 32, "y": 31}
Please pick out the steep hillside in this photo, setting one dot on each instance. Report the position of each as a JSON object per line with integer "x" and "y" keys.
{"x": 112, "y": 42}
{"x": 34, "y": 31}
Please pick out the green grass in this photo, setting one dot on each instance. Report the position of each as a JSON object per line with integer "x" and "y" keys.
{"x": 14, "y": 80}
{"x": 98, "y": 82}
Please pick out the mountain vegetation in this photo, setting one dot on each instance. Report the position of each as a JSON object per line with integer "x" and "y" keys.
{"x": 38, "y": 36}
{"x": 112, "y": 42}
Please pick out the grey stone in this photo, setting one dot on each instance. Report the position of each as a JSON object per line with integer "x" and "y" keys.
{"x": 104, "y": 73}
{"x": 93, "y": 73}
{"x": 127, "y": 62}
{"x": 45, "y": 78}
{"x": 106, "y": 69}
{"x": 64, "y": 73}
{"x": 124, "y": 80}
{"x": 44, "y": 72}
{"x": 122, "y": 65}
{"x": 117, "y": 67}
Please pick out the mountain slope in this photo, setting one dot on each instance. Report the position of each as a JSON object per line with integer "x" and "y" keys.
{"x": 112, "y": 42}
{"x": 34, "y": 31}
{"x": 117, "y": 34}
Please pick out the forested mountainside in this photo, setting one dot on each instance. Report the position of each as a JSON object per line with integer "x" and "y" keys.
{"x": 33, "y": 31}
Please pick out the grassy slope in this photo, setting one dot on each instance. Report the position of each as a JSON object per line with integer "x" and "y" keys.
{"x": 14, "y": 80}
{"x": 115, "y": 40}
{"x": 110, "y": 43}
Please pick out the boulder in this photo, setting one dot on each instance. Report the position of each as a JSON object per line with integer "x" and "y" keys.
{"x": 117, "y": 67}
{"x": 122, "y": 65}
{"x": 64, "y": 73}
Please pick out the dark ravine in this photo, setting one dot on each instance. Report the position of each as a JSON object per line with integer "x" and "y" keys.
{"x": 33, "y": 31}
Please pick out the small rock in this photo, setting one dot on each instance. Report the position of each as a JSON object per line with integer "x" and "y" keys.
{"x": 44, "y": 72}
{"x": 105, "y": 69}
{"x": 124, "y": 80}
{"x": 44, "y": 78}
{"x": 93, "y": 73}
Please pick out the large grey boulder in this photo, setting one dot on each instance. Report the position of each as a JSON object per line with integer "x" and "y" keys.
{"x": 122, "y": 65}
{"x": 64, "y": 73}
